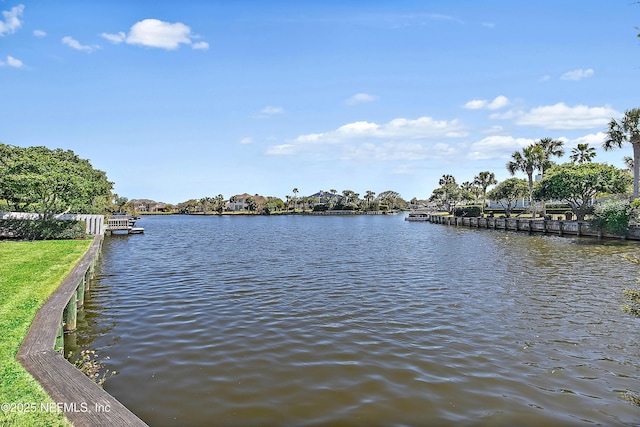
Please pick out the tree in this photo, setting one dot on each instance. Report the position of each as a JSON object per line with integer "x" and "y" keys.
{"x": 218, "y": 203}
{"x": 508, "y": 192}
{"x": 119, "y": 202}
{"x": 391, "y": 199}
{"x": 449, "y": 195}
{"x": 527, "y": 161}
{"x": 550, "y": 148}
{"x": 582, "y": 154}
{"x": 368, "y": 196}
{"x": 484, "y": 180}
{"x": 295, "y": 199}
{"x": 627, "y": 130}
{"x": 579, "y": 184}
{"x": 251, "y": 204}
{"x": 447, "y": 179}
{"x": 50, "y": 182}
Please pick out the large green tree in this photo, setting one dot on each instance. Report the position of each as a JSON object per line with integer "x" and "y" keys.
{"x": 508, "y": 192}
{"x": 627, "y": 130}
{"x": 579, "y": 184}
{"x": 50, "y": 182}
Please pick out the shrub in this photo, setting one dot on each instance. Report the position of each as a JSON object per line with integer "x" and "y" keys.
{"x": 470, "y": 211}
{"x": 28, "y": 229}
{"x": 612, "y": 216}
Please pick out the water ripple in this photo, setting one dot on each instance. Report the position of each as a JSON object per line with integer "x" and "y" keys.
{"x": 362, "y": 321}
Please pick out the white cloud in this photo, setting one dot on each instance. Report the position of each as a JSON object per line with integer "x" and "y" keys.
{"x": 270, "y": 110}
{"x": 478, "y": 104}
{"x": 360, "y": 98}
{"x": 12, "y": 62}
{"x": 577, "y": 74}
{"x": 595, "y": 140}
{"x": 115, "y": 38}
{"x": 406, "y": 136}
{"x": 563, "y": 117}
{"x": 156, "y": 33}
{"x": 75, "y": 44}
{"x": 11, "y": 21}
{"x": 489, "y": 25}
{"x": 494, "y": 146}
{"x": 200, "y": 46}
{"x": 39, "y": 33}
{"x": 247, "y": 140}
{"x": 499, "y": 102}
{"x": 159, "y": 34}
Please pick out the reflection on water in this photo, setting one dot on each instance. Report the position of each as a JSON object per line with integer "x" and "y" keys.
{"x": 366, "y": 320}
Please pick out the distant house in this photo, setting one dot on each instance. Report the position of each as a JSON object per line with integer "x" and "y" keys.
{"x": 148, "y": 205}
{"x": 239, "y": 203}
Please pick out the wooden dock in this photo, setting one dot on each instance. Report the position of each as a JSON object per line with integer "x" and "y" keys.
{"x": 123, "y": 224}
{"x": 83, "y": 401}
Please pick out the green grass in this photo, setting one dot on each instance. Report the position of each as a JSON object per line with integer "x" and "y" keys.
{"x": 29, "y": 273}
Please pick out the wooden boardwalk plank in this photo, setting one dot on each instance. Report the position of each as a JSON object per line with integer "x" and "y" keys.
{"x": 83, "y": 401}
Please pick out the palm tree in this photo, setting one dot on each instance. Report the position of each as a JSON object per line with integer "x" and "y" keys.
{"x": 550, "y": 147}
{"x": 582, "y": 154}
{"x": 627, "y": 130}
{"x": 295, "y": 199}
{"x": 447, "y": 179}
{"x": 527, "y": 161}
{"x": 368, "y": 196}
{"x": 484, "y": 180}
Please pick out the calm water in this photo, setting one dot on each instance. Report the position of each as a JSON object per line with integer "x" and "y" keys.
{"x": 367, "y": 320}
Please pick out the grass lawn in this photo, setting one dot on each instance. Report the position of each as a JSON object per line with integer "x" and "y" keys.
{"x": 29, "y": 273}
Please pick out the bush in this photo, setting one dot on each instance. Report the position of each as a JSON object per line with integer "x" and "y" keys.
{"x": 470, "y": 211}
{"x": 612, "y": 216}
{"x": 29, "y": 229}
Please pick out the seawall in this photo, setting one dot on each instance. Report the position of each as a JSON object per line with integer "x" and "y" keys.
{"x": 83, "y": 401}
{"x": 527, "y": 225}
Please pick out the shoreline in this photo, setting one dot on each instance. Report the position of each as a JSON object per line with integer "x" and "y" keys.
{"x": 83, "y": 402}
{"x": 528, "y": 225}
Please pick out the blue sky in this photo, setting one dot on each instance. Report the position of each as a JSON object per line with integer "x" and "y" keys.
{"x": 180, "y": 100}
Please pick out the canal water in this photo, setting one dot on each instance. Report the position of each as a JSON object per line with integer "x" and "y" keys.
{"x": 363, "y": 320}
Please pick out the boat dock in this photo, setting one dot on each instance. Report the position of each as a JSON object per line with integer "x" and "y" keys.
{"x": 123, "y": 223}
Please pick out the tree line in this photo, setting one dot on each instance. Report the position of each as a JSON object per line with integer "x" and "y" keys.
{"x": 577, "y": 184}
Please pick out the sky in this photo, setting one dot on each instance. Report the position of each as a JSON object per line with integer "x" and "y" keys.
{"x": 180, "y": 100}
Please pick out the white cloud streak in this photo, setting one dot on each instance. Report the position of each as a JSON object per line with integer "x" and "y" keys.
{"x": 401, "y": 138}
{"x": 75, "y": 44}
{"x": 360, "y": 98}
{"x": 480, "y": 104}
{"x": 494, "y": 146}
{"x": 11, "y": 21}
{"x": 562, "y": 117}
{"x": 158, "y": 34}
{"x": 577, "y": 74}
{"x": 11, "y": 62}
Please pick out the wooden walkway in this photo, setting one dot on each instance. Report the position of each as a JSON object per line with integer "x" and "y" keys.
{"x": 83, "y": 401}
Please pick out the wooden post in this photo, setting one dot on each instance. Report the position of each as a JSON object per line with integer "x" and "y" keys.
{"x": 80, "y": 292}
{"x": 59, "y": 345}
{"x": 560, "y": 223}
{"x": 530, "y": 226}
{"x": 579, "y": 229}
{"x": 87, "y": 281}
{"x": 70, "y": 313}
